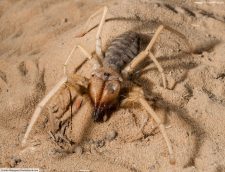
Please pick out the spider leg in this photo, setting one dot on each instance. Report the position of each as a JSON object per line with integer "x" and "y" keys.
{"x": 39, "y": 108}
{"x": 142, "y": 55}
{"x": 150, "y": 110}
{"x": 159, "y": 68}
{"x": 147, "y": 52}
{"x": 85, "y": 52}
{"x": 98, "y": 35}
{"x": 138, "y": 96}
{"x": 182, "y": 36}
{"x": 78, "y": 80}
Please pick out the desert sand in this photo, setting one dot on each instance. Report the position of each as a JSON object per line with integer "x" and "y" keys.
{"x": 37, "y": 36}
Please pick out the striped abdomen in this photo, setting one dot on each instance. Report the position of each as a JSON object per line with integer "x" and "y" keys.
{"x": 122, "y": 50}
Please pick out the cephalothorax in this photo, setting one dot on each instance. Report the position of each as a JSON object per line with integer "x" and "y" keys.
{"x": 100, "y": 92}
{"x": 104, "y": 89}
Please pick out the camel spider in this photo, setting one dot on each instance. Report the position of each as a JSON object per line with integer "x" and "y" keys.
{"x": 102, "y": 90}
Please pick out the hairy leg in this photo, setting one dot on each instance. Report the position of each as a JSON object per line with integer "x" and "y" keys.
{"x": 98, "y": 35}
{"x": 150, "y": 110}
{"x": 39, "y": 108}
{"x": 76, "y": 79}
{"x": 142, "y": 55}
{"x": 137, "y": 95}
{"x": 160, "y": 69}
{"x": 147, "y": 52}
{"x": 85, "y": 52}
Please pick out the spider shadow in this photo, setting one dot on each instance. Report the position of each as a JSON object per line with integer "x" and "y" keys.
{"x": 175, "y": 63}
{"x": 178, "y": 61}
{"x": 196, "y": 129}
{"x": 182, "y": 115}
{"x": 175, "y": 60}
{"x": 206, "y": 47}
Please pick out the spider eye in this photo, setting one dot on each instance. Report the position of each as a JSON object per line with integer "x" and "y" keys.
{"x": 106, "y": 74}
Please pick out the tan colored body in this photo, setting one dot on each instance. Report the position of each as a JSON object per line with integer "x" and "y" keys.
{"x": 75, "y": 98}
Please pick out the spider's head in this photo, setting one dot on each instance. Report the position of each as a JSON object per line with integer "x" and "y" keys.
{"x": 104, "y": 89}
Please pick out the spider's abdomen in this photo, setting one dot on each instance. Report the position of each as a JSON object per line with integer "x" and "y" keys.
{"x": 122, "y": 50}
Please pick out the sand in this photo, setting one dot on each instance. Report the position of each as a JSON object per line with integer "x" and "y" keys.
{"x": 37, "y": 36}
